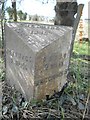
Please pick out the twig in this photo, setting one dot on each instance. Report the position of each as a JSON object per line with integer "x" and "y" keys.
{"x": 70, "y": 116}
{"x": 73, "y": 112}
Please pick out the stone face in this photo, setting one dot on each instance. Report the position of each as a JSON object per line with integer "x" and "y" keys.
{"x": 37, "y": 57}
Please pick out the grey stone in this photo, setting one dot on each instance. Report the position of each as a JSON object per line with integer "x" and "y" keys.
{"x": 37, "y": 57}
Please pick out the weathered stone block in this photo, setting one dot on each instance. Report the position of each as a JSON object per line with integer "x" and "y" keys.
{"x": 37, "y": 57}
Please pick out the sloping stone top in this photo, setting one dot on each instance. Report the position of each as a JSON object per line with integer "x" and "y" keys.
{"x": 37, "y": 36}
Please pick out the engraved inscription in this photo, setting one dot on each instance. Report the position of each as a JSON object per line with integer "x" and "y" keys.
{"x": 19, "y": 59}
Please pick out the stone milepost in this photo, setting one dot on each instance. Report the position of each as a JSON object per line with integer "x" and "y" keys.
{"x": 37, "y": 57}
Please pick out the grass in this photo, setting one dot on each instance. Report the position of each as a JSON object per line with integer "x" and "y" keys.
{"x": 79, "y": 67}
{"x": 80, "y": 71}
{"x": 82, "y": 48}
{"x": 88, "y": 25}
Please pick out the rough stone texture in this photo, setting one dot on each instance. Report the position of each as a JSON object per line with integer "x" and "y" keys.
{"x": 37, "y": 57}
{"x": 65, "y": 12}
